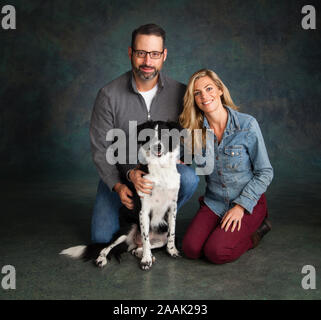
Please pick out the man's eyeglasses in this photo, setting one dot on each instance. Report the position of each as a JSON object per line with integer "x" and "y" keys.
{"x": 143, "y": 53}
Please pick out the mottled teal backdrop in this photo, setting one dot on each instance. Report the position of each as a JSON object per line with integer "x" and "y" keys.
{"x": 63, "y": 52}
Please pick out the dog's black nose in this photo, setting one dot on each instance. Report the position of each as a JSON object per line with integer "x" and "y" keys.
{"x": 157, "y": 148}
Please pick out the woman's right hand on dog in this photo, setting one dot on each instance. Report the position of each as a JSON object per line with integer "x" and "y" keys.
{"x": 125, "y": 195}
{"x": 141, "y": 184}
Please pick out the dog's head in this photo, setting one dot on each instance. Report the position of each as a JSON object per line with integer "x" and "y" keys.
{"x": 159, "y": 139}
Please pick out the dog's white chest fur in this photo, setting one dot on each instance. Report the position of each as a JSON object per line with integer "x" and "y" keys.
{"x": 159, "y": 208}
{"x": 166, "y": 179}
{"x": 163, "y": 177}
{"x": 165, "y": 189}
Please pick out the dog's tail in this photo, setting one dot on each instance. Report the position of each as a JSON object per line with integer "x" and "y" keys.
{"x": 86, "y": 253}
{"x": 74, "y": 252}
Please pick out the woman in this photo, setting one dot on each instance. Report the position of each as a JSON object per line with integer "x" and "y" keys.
{"x": 233, "y": 211}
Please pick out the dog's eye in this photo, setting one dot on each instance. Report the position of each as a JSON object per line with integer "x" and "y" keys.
{"x": 147, "y": 139}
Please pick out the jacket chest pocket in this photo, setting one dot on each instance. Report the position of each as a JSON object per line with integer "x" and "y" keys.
{"x": 233, "y": 157}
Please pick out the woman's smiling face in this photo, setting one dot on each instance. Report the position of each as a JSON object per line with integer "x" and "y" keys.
{"x": 207, "y": 95}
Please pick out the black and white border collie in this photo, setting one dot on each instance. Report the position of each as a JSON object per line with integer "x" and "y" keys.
{"x": 151, "y": 224}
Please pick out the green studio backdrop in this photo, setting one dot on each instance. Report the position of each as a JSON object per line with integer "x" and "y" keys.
{"x": 62, "y": 52}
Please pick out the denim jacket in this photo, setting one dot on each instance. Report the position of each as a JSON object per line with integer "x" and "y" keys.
{"x": 242, "y": 170}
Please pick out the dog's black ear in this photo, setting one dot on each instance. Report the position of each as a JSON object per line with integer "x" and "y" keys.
{"x": 174, "y": 125}
{"x": 146, "y": 125}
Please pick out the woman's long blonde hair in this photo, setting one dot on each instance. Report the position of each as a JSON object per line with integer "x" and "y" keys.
{"x": 192, "y": 117}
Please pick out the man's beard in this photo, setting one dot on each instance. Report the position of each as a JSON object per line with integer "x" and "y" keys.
{"x": 143, "y": 75}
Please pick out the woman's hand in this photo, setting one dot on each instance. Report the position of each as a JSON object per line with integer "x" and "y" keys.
{"x": 140, "y": 184}
{"x": 233, "y": 217}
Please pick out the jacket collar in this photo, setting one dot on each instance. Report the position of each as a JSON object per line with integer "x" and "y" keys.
{"x": 232, "y": 121}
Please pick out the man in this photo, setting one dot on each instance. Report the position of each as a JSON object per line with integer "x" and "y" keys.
{"x": 142, "y": 94}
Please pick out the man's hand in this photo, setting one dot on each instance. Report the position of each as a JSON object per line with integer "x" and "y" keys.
{"x": 141, "y": 184}
{"x": 233, "y": 216}
{"x": 124, "y": 194}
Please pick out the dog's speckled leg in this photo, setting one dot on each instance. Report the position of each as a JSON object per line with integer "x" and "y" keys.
{"x": 171, "y": 248}
{"x": 101, "y": 261}
{"x": 146, "y": 262}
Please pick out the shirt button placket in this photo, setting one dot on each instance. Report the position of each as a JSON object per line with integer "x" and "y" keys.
{"x": 224, "y": 189}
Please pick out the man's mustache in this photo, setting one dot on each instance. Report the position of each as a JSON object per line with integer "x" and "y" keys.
{"x": 146, "y": 66}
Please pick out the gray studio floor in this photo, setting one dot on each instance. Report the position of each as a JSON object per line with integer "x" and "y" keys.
{"x": 42, "y": 216}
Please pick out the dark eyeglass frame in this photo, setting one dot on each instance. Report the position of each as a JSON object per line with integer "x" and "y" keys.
{"x": 148, "y": 52}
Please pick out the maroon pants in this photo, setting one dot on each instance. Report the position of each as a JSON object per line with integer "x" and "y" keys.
{"x": 205, "y": 236}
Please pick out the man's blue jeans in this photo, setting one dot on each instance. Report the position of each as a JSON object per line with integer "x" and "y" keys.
{"x": 105, "y": 222}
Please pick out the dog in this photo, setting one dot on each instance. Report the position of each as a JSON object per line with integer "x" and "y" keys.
{"x": 151, "y": 223}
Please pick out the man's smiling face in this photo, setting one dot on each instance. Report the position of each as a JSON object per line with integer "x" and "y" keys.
{"x": 147, "y": 68}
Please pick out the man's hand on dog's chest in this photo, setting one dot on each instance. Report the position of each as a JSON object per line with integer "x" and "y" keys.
{"x": 141, "y": 184}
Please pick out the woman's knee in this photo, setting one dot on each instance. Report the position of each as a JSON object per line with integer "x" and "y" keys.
{"x": 191, "y": 249}
{"x": 218, "y": 253}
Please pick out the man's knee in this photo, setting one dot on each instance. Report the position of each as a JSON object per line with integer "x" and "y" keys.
{"x": 105, "y": 222}
{"x": 189, "y": 179}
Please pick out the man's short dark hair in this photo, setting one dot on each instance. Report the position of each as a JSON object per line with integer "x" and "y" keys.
{"x": 149, "y": 29}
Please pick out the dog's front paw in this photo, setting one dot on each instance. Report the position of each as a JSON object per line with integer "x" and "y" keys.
{"x": 173, "y": 252}
{"x": 101, "y": 261}
{"x": 138, "y": 252}
{"x": 146, "y": 264}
